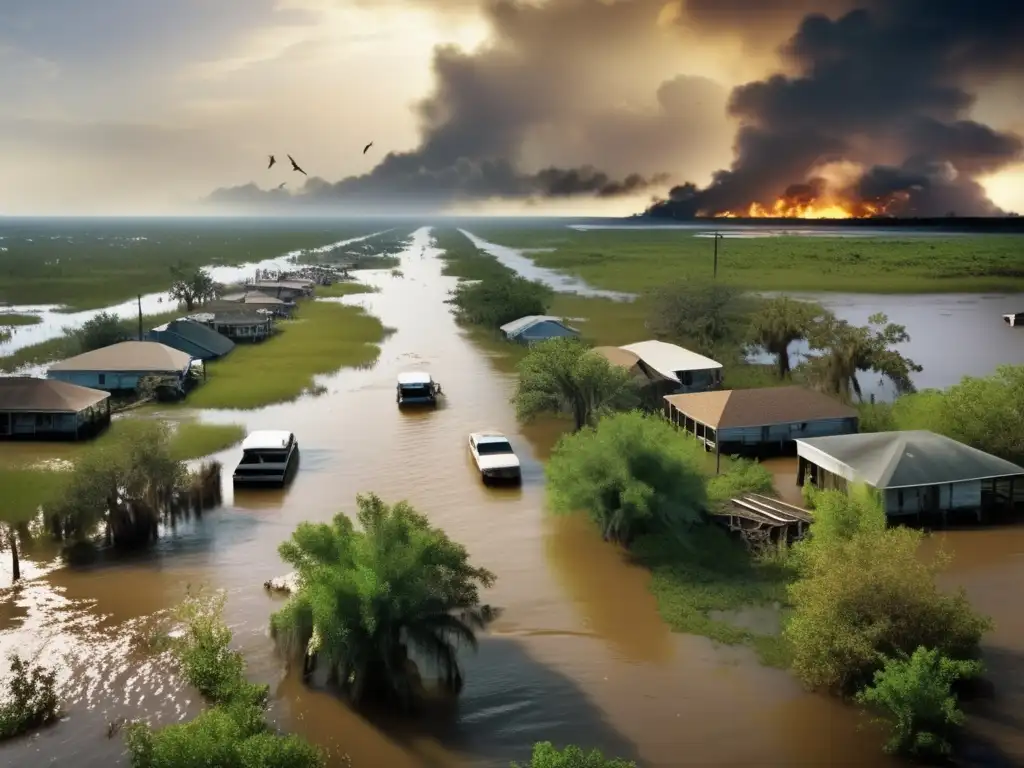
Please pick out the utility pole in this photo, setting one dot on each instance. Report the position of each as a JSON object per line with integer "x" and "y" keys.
{"x": 140, "y": 317}
{"x": 718, "y": 236}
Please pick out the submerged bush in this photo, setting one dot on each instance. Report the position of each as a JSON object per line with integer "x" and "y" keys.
{"x": 545, "y": 755}
{"x": 31, "y": 699}
{"x": 498, "y": 300}
{"x": 744, "y": 476}
{"x": 915, "y": 696}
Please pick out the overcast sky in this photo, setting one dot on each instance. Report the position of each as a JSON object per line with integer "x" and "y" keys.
{"x": 149, "y": 106}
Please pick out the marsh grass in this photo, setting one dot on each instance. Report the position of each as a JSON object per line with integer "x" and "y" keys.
{"x": 67, "y": 345}
{"x": 92, "y": 264}
{"x": 323, "y": 337}
{"x": 13, "y": 319}
{"x": 639, "y": 260}
{"x": 344, "y": 288}
{"x": 194, "y": 440}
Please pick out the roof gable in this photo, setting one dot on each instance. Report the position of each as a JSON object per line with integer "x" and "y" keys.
{"x": 760, "y": 407}
{"x": 32, "y": 395}
{"x": 143, "y": 356}
{"x": 667, "y": 359}
{"x": 202, "y": 336}
{"x": 523, "y": 324}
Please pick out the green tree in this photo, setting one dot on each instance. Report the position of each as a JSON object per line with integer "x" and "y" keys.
{"x": 367, "y": 600}
{"x": 779, "y": 322}
{"x": 632, "y": 474}
{"x": 546, "y": 755}
{"x": 846, "y": 350}
{"x": 915, "y": 696}
{"x": 564, "y": 377}
{"x": 191, "y": 287}
{"x": 234, "y": 732}
{"x": 866, "y": 592}
{"x": 702, "y": 314}
{"x": 31, "y": 699}
{"x": 498, "y": 300}
{"x": 98, "y": 332}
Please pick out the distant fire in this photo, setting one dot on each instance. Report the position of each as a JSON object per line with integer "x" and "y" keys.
{"x": 816, "y": 209}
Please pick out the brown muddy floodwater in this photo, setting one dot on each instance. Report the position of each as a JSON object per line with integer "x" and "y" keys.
{"x": 580, "y": 654}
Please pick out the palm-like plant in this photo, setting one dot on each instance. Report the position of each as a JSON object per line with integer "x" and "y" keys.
{"x": 778, "y": 323}
{"x": 848, "y": 349}
{"x": 368, "y": 600}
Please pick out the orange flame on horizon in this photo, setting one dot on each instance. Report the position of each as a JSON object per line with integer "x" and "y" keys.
{"x": 784, "y": 208}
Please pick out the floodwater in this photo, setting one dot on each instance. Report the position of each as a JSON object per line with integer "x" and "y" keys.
{"x": 579, "y": 655}
{"x": 54, "y": 321}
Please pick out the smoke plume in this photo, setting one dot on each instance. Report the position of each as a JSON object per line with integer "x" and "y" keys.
{"x": 886, "y": 87}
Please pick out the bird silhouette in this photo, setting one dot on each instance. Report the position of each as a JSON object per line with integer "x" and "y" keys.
{"x": 272, "y": 161}
{"x": 295, "y": 166}
{"x": 367, "y": 147}
{"x": 281, "y": 185}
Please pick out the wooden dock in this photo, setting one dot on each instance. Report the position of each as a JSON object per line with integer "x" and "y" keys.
{"x": 759, "y": 517}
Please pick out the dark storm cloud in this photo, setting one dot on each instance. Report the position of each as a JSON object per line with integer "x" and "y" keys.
{"x": 888, "y": 84}
{"x": 537, "y": 97}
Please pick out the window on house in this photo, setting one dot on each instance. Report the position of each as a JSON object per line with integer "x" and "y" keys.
{"x": 103, "y": 379}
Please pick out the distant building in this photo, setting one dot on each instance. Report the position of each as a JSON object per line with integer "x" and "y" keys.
{"x": 120, "y": 367}
{"x": 256, "y": 300}
{"x": 286, "y": 290}
{"x": 534, "y": 328}
{"x": 671, "y": 369}
{"x": 239, "y": 324}
{"x": 757, "y": 421}
{"x": 41, "y": 409}
{"x": 918, "y": 472}
{"x": 195, "y": 339}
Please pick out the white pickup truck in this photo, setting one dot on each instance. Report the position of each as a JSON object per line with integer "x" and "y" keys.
{"x": 494, "y": 457}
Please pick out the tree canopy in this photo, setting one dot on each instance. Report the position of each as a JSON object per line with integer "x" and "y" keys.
{"x": 546, "y": 755}
{"x": 702, "y": 314}
{"x": 846, "y": 350}
{"x": 192, "y": 287}
{"x": 98, "y": 332}
{"x": 866, "y": 592}
{"x": 565, "y": 377}
{"x": 498, "y": 300}
{"x": 777, "y": 323}
{"x": 368, "y": 600}
{"x": 632, "y": 474}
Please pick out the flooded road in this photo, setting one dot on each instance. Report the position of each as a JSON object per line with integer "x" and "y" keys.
{"x": 53, "y": 321}
{"x": 580, "y": 654}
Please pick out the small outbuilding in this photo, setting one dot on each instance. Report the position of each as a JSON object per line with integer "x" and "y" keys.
{"x": 917, "y": 472}
{"x": 120, "y": 367}
{"x": 196, "y": 339}
{"x": 43, "y": 409}
{"x": 759, "y": 421}
{"x": 673, "y": 369}
{"x": 535, "y": 328}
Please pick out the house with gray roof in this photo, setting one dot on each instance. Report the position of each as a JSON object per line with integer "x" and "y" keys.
{"x": 43, "y": 409}
{"x": 917, "y": 472}
{"x": 240, "y": 323}
{"x": 195, "y": 339}
{"x": 121, "y": 367}
{"x": 535, "y": 328}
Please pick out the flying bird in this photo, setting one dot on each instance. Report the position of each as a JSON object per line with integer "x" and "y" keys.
{"x": 367, "y": 147}
{"x": 295, "y": 166}
{"x": 281, "y": 185}
{"x": 272, "y": 161}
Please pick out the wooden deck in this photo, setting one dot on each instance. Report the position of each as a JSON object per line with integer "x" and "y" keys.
{"x": 761, "y": 517}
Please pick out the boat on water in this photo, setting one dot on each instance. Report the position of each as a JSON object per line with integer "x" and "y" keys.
{"x": 269, "y": 458}
{"x": 1014, "y": 319}
{"x": 417, "y": 388}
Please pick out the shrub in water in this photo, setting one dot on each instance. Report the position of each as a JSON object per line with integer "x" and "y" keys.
{"x": 31, "y": 698}
{"x": 915, "y": 695}
{"x": 545, "y": 755}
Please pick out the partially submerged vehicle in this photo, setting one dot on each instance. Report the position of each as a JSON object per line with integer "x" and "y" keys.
{"x": 269, "y": 458}
{"x": 417, "y": 388}
{"x": 494, "y": 457}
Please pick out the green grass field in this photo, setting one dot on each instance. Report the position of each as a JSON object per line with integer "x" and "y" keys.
{"x": 67, "y": 346}
{"x": 344, "y": 288}
{"x": 323, "y": 337}
{"x": 638, "y": 260}
{"x": 12, "y": 319}
{"x": 86, "y": 264}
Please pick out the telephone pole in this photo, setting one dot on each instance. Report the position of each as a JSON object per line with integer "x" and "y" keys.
{"x": 140, "y": 316}
{"x": 717, "y": 236}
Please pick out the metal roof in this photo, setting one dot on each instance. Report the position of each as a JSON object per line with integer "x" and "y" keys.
{"x": 31, "y": 395}
{"x": 667, "y": 359}
{"x": 759, "y": 407}
{"x": 141, "y": 356}
{"x": 516, "y": 327}
{"x": 252, "y": 297}
{"x": 200, "y": 335}
{"x": 908, "y": 459}
{"x": 414, "y": 378}
{"x": 267, "y": 440}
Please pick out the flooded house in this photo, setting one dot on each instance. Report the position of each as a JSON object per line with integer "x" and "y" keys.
{"x": 667, "y": 368}
{"x": 240, "y": 324}
{"x": 759, "y": 421}
{"x": 260, "y": 300}
{"x": 536, "y": 328}
{"x": 195, "y": 339}
{"x": 917, "y": 472}
{"x": 121, "y": 367}
{"x": 286, "y": 290}
{"x": 45, "y": 409}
